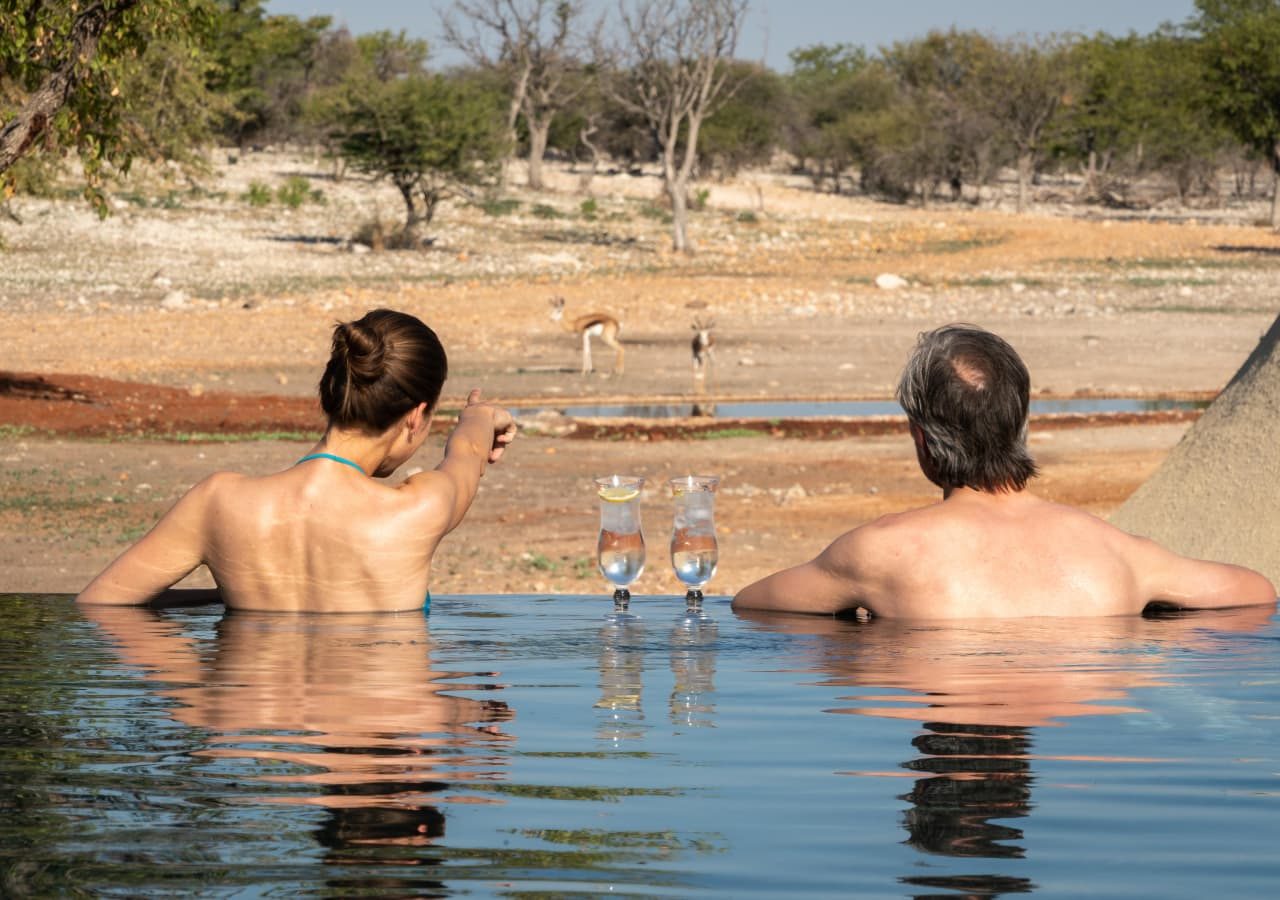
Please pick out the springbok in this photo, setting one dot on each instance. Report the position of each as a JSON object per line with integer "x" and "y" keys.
{"x": 601, "y": 325}
{"x": 703, "y": 342}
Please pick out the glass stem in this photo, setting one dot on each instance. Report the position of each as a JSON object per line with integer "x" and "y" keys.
{"x": 621, "y": 600}
{"x": 693, "y": 600}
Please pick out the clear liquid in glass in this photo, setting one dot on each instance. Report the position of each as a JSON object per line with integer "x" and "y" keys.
{"x": 695, "y": 551}
{"x": 620, "y": 551}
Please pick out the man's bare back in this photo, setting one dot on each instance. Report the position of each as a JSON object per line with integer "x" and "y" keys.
{"x": 981, "y": 555}
{"x": 990, "y": 548}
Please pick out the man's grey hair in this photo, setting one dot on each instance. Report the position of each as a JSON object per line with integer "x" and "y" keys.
{"x": 968, "y": 391}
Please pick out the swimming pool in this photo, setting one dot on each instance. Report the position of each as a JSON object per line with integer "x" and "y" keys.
{"x": 517, "y": 746}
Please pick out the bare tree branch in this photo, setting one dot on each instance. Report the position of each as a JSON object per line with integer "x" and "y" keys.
{"x": 670, "y": 68}
{"x": 20, "y": 133}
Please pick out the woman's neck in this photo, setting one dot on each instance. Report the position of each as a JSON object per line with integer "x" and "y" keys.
{"x": 365, "y": 450}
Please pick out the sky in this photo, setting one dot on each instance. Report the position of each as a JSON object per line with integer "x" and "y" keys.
{"x": 776, "y": 27}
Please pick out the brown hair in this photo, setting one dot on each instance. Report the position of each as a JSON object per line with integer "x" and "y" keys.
{"x": 969, "y": 392}
{"x": 382, "y": 365}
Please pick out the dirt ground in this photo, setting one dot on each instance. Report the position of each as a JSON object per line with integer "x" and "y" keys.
{"x": 186, "y": 332}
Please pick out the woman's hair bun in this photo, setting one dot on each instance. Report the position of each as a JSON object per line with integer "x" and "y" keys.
{"x": 362, "y": 349}
{"x": 382, "y": 365}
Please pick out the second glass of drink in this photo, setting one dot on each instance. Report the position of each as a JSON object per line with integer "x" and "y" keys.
{"x": 694, "y": 550}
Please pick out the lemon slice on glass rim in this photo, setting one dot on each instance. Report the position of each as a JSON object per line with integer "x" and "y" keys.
{"x": 619, "y": 493}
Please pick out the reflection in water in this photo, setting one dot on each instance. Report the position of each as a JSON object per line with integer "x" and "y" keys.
{"x": 344, "y": 713}
{"x": 693, "y": 663}
{"x": 980, "y": 693}
{"x": 977, "y": 773}
{"x": 621, "y": 705}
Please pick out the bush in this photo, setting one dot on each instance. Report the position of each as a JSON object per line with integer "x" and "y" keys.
{"x": 295, "y": 191}
{"x": 589, "y": 208}
{"x": 259, "y": 194}
{"x": 543, "y": 211}
{"x": 503, "y": 207}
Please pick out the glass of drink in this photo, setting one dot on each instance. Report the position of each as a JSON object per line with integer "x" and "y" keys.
{"x": 620, "y": 547}
{"x": 694, "y": 551}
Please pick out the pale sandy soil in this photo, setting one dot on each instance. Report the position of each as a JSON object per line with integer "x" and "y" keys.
{"x": 1130, "y": 307}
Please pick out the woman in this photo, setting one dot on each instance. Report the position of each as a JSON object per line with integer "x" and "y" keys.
{"x": 323, "y": 536}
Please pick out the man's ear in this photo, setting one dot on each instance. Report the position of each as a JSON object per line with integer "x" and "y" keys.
{"x": 921, "y": 441}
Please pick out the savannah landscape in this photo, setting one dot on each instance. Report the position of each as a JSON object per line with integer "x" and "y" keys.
{"x": 185, "y": 333}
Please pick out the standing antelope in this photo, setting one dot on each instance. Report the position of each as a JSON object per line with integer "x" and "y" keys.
{"x": 703, "y": 342}
{"x": 601, "y": 325}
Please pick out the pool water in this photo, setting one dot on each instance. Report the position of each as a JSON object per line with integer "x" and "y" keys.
{"x": 518, "y": 746}
{"x": 819, "y": 409}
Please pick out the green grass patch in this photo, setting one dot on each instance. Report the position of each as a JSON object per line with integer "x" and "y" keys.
{"x": 8, "y": 432}
{"x": 296, "y": 191}
{"x": 1171, "y": 263}
{"x": 258, "y": 194}
{"x": 543, "y": 211}
{"x": 218, "y": 437}
{"x": 499, "y": 207}
{"x": 1150, "y": 281}
{"x": 656, "y": 213}
{"x": 960, "y": 245}
{"x": 992, "y": 281}
{"x": 1207, "y": 310}
{"x": 718, "y": 434}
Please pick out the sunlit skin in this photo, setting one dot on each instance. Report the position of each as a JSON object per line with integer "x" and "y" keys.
{"x": 372, "y": 717}
{"x": 319, "y": 536}
{"x": 1008, "y": 553}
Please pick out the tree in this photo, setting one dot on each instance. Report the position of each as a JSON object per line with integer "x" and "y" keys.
{"x": 1240, "y": 40}
{"x": 744, "y": 131}
{"x": 531, "y": 42}
{"x": 1024, "y": 83}
{"x": 825, "y": 88}
{"x": 265, "y": 69}
{"x": 430, "y": 136}
{"x": 671, "y": 70}
{"x": 940, "y": 128}
{"x": 69, "y": 72}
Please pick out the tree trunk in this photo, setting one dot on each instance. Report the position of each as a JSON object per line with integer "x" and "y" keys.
{"x": 538, "y": 130}
{"x": 1089, "y": 189}
{"x": 1024, "y": 177}
{"x": 677, "y": 193}
{"x": 411, "y": 218}
{"x": 1275, "y": 185}
{"x": 584, "y": 182}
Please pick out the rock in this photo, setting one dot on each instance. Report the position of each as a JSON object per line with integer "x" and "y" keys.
{"x": 174, "y": 300}
{"x": 890, "y": 282}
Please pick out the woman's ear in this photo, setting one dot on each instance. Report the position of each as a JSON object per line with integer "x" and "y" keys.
{"x": 418, "y": 422}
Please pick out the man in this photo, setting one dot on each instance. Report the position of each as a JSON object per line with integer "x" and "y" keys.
{"x": 990, "y": 548}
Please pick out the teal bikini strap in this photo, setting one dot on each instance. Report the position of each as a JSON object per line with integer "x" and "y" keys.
{"x": 333, "y": 456}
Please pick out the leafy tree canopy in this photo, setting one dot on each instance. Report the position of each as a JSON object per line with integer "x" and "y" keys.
{"x": 110, "y": 80}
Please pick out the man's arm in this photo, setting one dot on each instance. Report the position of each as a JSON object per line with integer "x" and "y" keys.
{"x": 1168, "y": 579}
{"x": 832, "y": 582}
{"x": 166, "y": 555}
{"x": 479, "y": 439}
